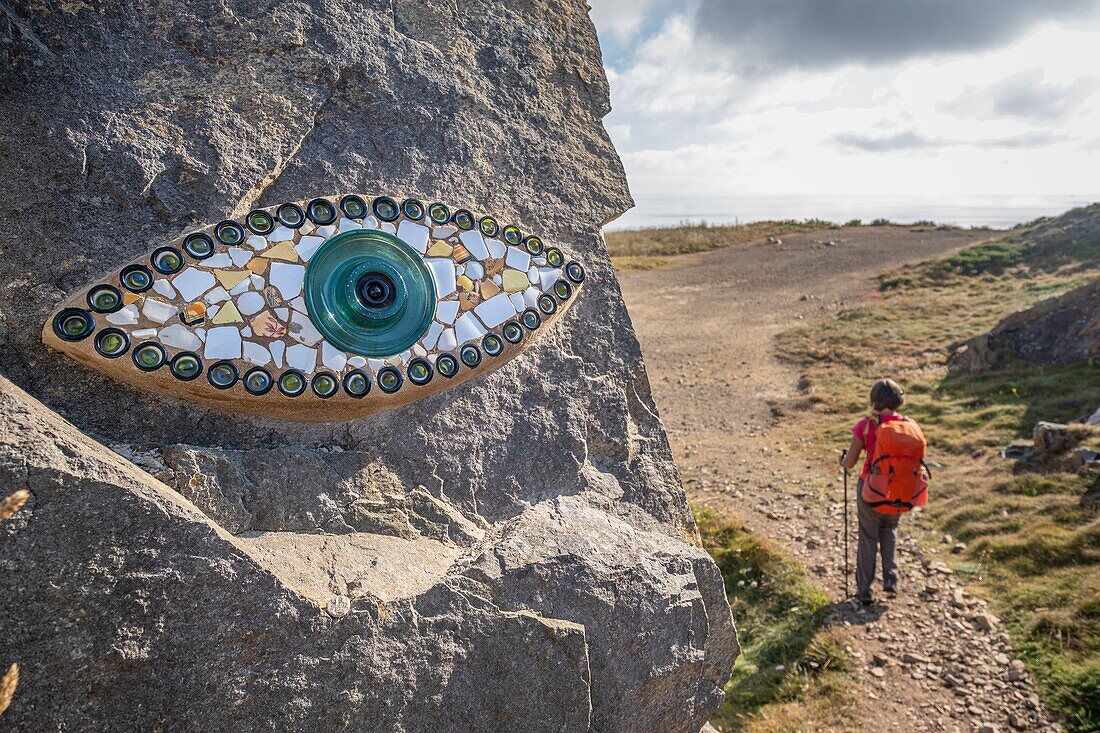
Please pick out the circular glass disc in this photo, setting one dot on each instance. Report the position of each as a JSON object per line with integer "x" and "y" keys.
{"x": 369, "y": 293}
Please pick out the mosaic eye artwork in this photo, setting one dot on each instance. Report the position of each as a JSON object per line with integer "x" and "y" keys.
{"x": 324, "y": 310}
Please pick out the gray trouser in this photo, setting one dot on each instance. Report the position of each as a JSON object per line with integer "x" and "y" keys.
{"x": 876, "y": 532}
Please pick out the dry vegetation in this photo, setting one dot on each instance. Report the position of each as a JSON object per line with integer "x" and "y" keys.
{"x": 9, "y": 506}
{"x": 643, "y": 249}
{"x": 1033, "y": 542}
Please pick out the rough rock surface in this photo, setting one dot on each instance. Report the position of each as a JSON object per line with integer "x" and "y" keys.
{"x": 513, "y": 554}
{"x": 1060, "y": 330}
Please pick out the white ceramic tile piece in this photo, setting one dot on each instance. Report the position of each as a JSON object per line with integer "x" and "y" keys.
{"x": 533, "y": 275}
{"x": 496, "y": 247}
{"x": 246, "y": 331}
{"x": 419, "y": 350}
{"x": 460, "y": 270}
{"x": 540, "y": 261}
{"x": 179, "y": 336}
{"x": 201, "y": 333}
{"x": 212, "y": 311}
{"x": 468, "y": 328}
{"x": 447, "y": 310}
{"x": 223, "y": 342}
{"x": 307, "y": 246}
{"x": 517, "y": 301}
{"x": 287, "y": 278}
{"x": 219, "y": 260}
{"x": 281, "y": 234}
{"x": 242, "y": 287}
{"x": 474, "y": 270}
{"x": 413, "y": 234}
{"x": 517, "y": 258}
{"x": 257, "y": 282}
{"x": 299, "y": 304}
{"x": 127, "y": 316}
{"x": 282, "y": 313}
{"x": 531, "y": 297}
{"x": 257, "y": 242}
{"x": 240, "y": 256}
{"x": 348, "y": 225}
{"x": 158, "y": 311}
{"x": 495, "y": 311}
{"x": 431, "y": 336}
{"x": 257, "y": 354}
{"x": 370, "y": 223}
{"x": 498, "y": 280}
{"x": 387, "y": 227}
{"x": 332, "y": 357}
{"x": 193, "y": 282}
{"x": 376, "y": 364}
{"x": 326, "y": 231}
{"x": 217, "y": 295}
{"x": 404, "y": 357}
{"x": 443, "y": 232}
{"x": 547, "y": 277}
{"x": 306, "y": 228}
{"x": 357, "y": 362}
{"x": 300, "y": 356}
{"x": 250, "y": 303}
{"x": 144, "y": 333}
{"x": 163, "y": 287}
{"x": 277, "y": 348}
{"x": 475, "y": 243}
{"x": 447, "y": 340}
{"x": 444, "y": 275}
{"x": 302, "y": 329}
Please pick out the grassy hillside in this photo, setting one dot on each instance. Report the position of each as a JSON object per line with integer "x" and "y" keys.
{"x": 1032, "y": 546}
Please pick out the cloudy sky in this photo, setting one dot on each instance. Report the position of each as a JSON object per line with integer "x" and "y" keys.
{"x": 816, "y": 101}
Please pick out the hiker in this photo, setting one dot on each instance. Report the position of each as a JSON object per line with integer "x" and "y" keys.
{"x": 893, "y": 481}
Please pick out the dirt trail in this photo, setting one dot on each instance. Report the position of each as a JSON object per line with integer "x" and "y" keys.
{"x": 925, "y": 662}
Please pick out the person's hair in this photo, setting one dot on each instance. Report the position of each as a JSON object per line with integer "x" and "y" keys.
{"x": 886, "y": 394}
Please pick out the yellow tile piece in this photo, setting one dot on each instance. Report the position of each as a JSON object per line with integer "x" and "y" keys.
{"x": 131, "y": 298}
{"x": 194, "y": 314}
{"x": 231, "y": 278}
{"x": 489, "y": 289}
{"x": 440, "y": 249}
{"x": 227, "y": 314}
{"x": 257, "y": 265}
{"x": 515, "y": 281}
{"x": 465, "y": 283}
{"x": 282, "y": 251}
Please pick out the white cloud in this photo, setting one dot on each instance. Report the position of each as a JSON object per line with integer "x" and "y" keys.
{"x": 1023, "y": 95}
{"x": 688, "y": 124}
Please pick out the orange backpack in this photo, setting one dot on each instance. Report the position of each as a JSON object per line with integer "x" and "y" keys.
{"x": 898, "y": 477}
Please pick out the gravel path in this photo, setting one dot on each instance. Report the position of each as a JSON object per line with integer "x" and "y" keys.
{"x": 935, "y": 659}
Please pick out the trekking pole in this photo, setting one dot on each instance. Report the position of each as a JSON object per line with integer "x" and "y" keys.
{"x": 844, "y": 454}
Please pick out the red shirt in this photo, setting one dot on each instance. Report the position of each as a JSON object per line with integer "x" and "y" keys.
{"x": 865, "y": 431}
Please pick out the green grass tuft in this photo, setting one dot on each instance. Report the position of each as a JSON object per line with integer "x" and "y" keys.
{"x": 788, "y": 654}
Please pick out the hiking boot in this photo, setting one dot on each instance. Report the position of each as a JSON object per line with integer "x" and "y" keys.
{"x": 865, "y": 602}
{"x": 891, "y": 592}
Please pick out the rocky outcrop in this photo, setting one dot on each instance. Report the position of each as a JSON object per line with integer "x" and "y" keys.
{"x": 513, "y": 554}
{"x": 1060, "y": 330}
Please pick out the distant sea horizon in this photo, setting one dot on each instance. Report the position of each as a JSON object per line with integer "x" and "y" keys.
{"x": 994, "y": 211}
